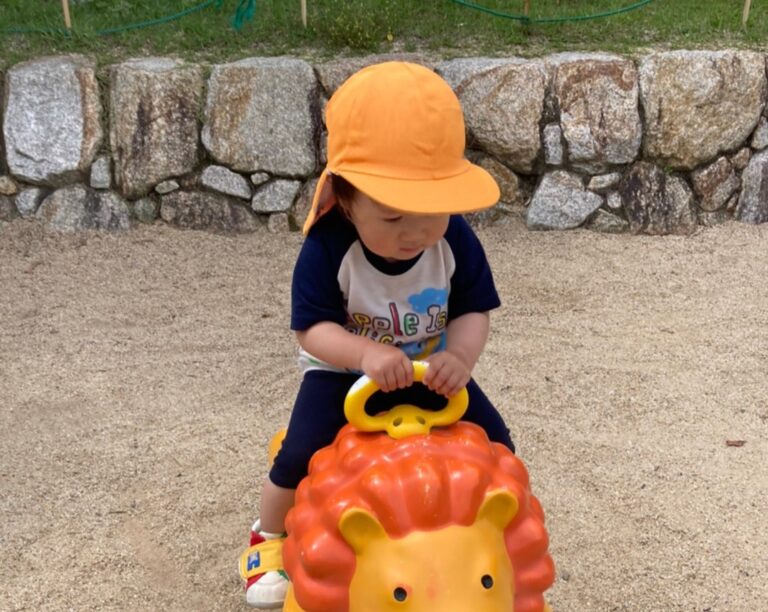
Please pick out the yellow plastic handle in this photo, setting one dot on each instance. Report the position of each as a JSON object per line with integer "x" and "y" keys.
{"x": 402, "y": 420}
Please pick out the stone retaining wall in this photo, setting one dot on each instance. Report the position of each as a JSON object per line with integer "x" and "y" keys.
{"x": 659, "y": 144}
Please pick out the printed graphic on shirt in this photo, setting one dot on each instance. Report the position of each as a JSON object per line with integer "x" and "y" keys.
{"x": 428, "y": 314}
{"x": 422, "y": 302}
{"x": 418, "y": 351}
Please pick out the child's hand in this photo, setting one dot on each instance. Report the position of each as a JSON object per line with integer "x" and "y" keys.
{"x": 388, "y": 366}
{"x": 447, "y": 374}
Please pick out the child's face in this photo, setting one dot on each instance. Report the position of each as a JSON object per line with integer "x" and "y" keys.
{"x": 392, "y": 234}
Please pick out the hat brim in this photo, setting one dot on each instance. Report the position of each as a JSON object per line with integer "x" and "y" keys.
{"x": 468, "y": 191}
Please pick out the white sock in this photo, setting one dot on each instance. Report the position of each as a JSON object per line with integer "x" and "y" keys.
{"x": 267, "y": 535}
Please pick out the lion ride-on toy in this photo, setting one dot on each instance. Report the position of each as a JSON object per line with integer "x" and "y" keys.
{"x": 411, "y": 510}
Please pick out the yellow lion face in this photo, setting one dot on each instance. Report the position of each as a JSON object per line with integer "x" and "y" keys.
{"x": 437, "y": 496}
{"x": 457, "y": 568}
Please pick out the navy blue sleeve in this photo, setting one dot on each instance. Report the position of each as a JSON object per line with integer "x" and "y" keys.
{"x": 472, "y": 286}
{"x": 315, "y": 292}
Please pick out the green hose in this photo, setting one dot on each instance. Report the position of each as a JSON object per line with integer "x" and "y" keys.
{"x": 526, "y": 19}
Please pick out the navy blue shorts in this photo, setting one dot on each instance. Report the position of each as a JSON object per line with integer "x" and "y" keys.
{"x": 318, "y": 415}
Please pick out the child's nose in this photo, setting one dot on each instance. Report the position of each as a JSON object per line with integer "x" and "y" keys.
{"x": 413, "y": 233}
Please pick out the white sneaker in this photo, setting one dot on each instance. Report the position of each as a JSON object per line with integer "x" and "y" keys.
{"x": 266, "y": 590}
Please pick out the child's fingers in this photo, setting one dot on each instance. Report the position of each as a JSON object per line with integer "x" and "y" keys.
{"x": 385, "y": 378}
{"x": 408, "y": 372}
{"x": 395, "y": 376}
{"x": 404, "y": 374}
{"x": 436, "y": 376}
{"x": 431, "y": 372}
{"x": 381, "y": 382}
{"x": 444, "y": 379}
{"x": 398, "y": 378}
{"x": 455, "y": 384}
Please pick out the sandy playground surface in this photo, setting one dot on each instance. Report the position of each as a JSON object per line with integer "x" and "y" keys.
{"x": 142, "y": 375}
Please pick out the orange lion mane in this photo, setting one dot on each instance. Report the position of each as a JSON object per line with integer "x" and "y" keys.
{"x": 419, "y": 483}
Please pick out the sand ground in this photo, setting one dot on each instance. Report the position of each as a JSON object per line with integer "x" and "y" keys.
{"x": 142, "y": 375}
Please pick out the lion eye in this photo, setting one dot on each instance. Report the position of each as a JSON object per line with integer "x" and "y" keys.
{"x": 400, "y": 594}
{"x": 487, "y": 581}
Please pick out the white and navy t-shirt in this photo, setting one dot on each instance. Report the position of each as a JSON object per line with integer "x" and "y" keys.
{"x": 406, "y": 303}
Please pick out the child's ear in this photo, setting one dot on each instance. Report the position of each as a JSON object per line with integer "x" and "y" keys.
{"x": 327, "y": 196}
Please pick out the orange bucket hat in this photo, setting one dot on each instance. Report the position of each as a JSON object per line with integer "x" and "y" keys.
{"x": 396, "y": 132}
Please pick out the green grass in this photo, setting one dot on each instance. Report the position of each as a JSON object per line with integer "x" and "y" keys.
{"x": 31, "y": 28}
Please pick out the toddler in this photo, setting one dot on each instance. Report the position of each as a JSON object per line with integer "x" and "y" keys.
{"x": 389, "y": 273}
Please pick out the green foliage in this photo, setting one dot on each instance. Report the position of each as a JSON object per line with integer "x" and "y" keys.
{"x": 34, "y": 28}
{"x": 115, "y": 7}
{"x": 353, "y": 23}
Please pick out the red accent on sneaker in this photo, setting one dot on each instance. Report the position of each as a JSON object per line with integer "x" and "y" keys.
{"x": 256, "y": 538}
